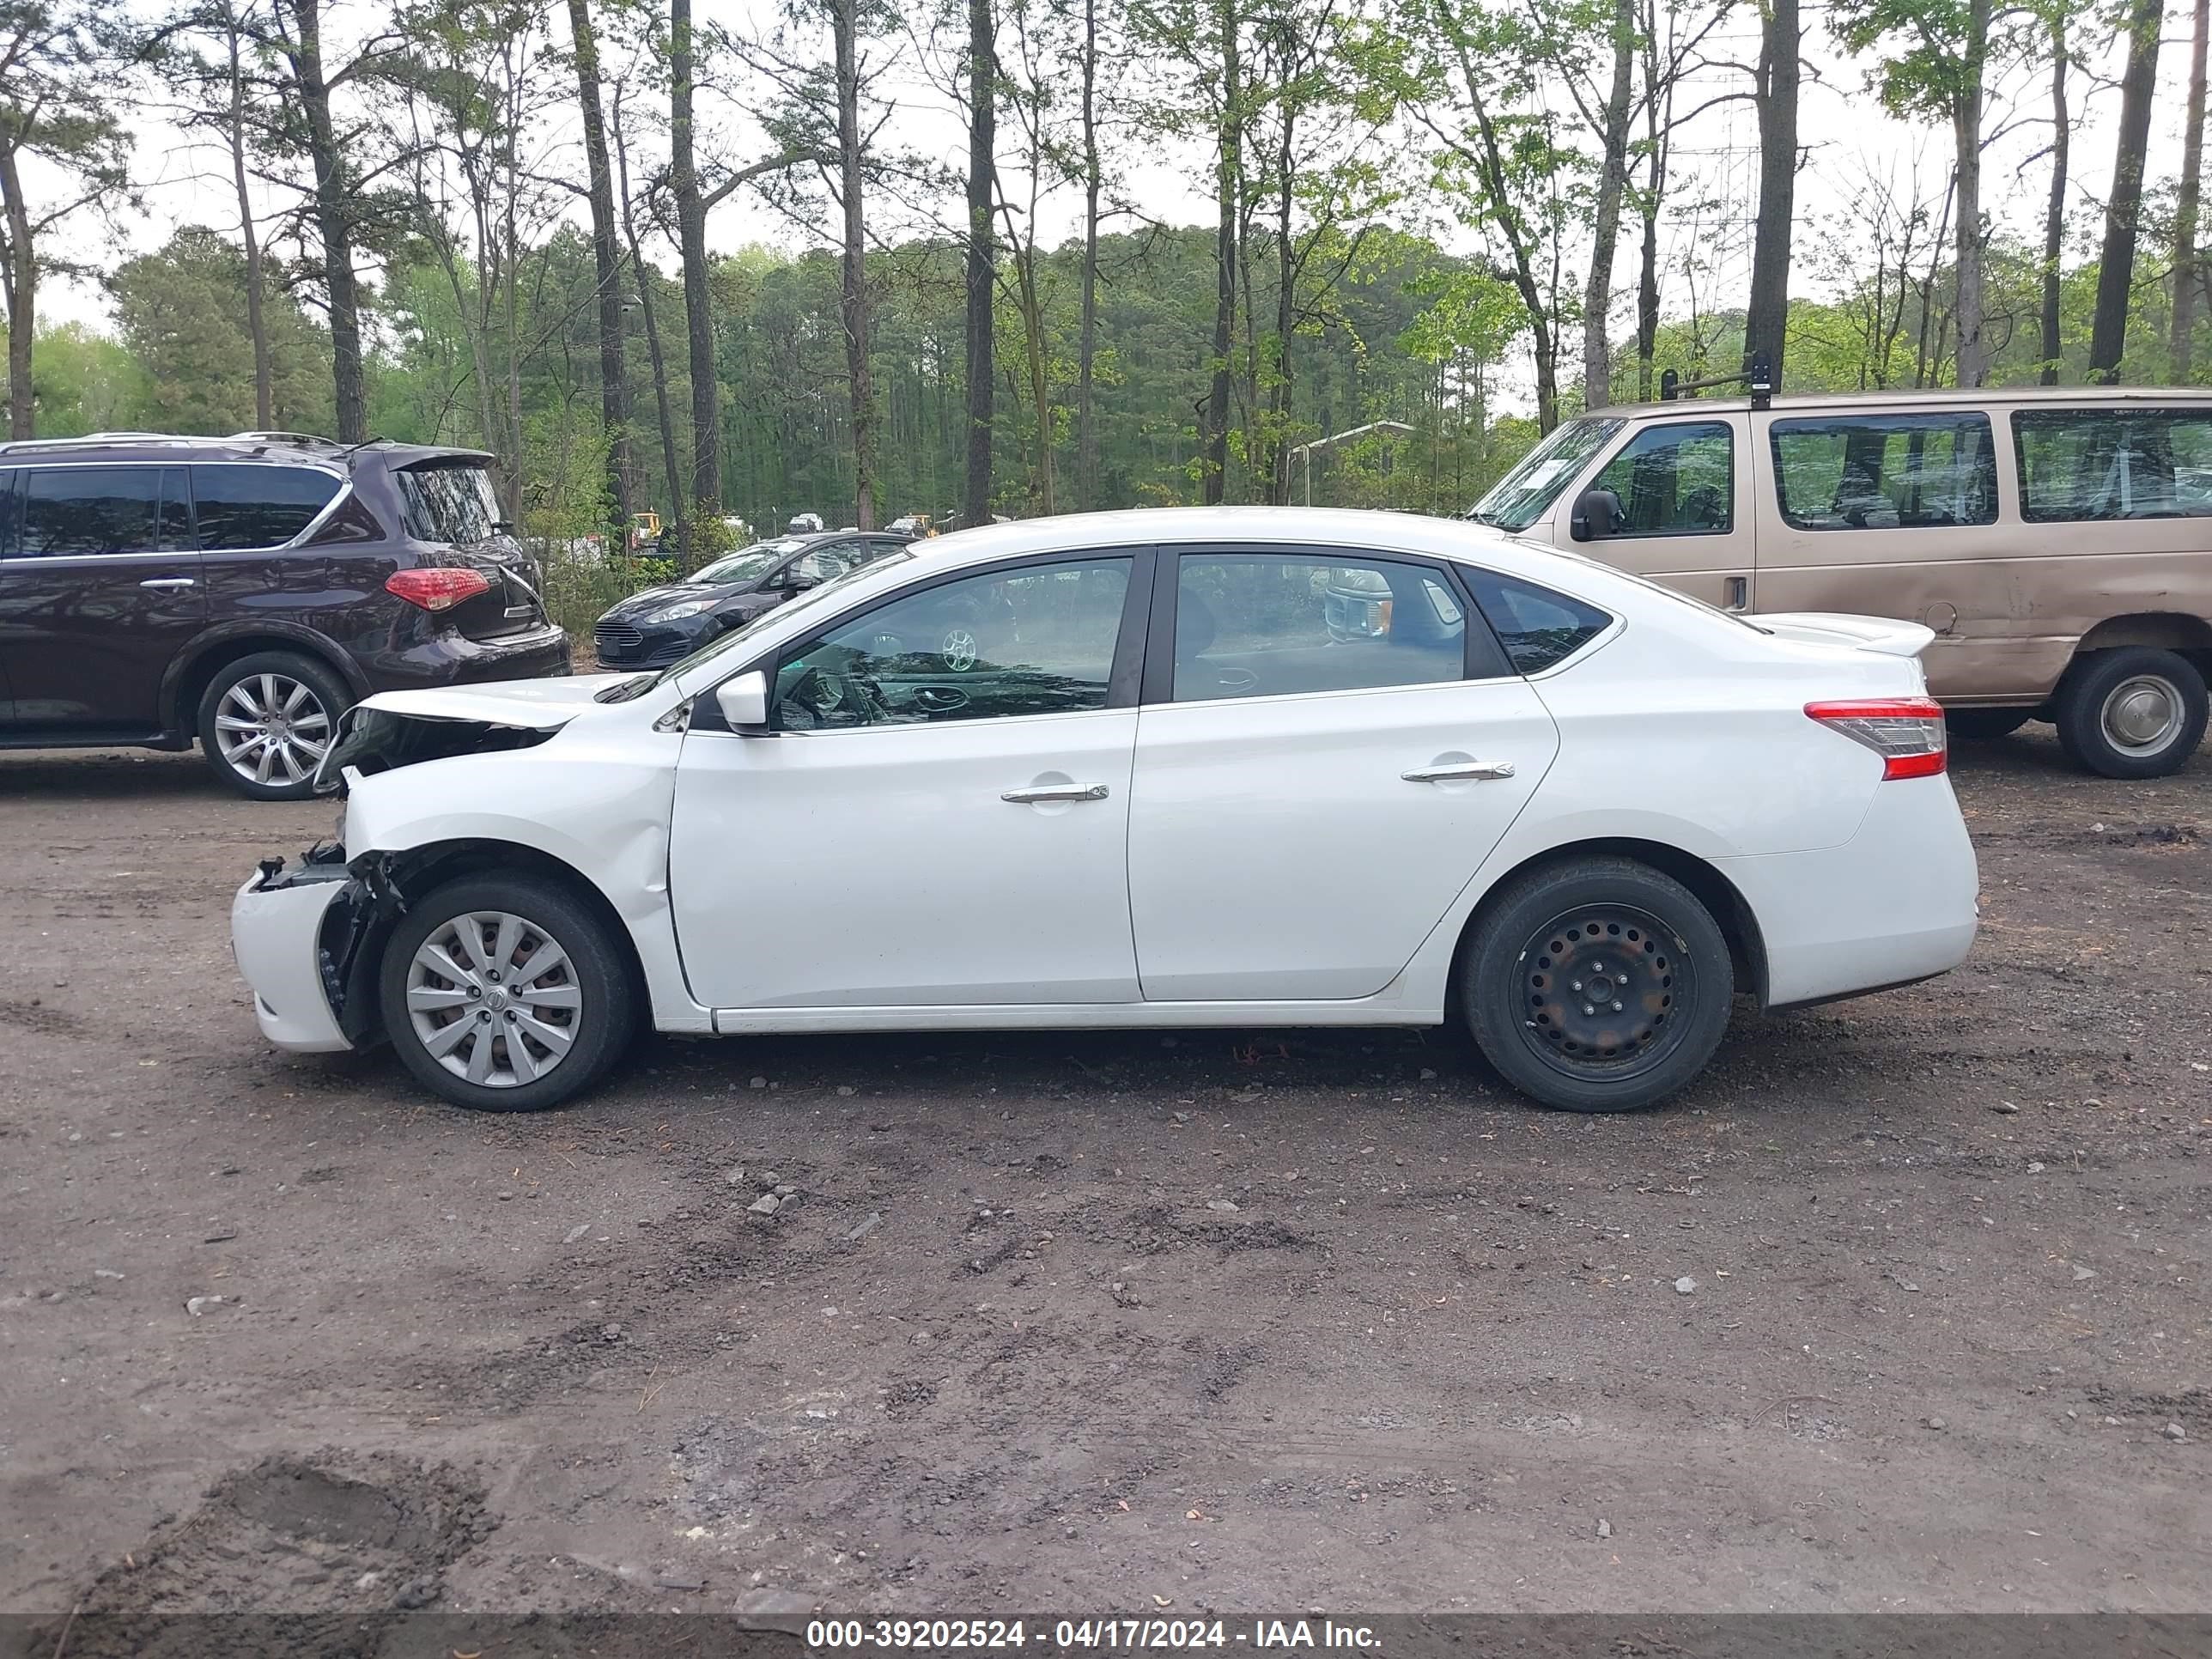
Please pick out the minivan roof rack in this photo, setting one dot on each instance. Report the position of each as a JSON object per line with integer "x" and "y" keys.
{"x": 1759, "y": 377}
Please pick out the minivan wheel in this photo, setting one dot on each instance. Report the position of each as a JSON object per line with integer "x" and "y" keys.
{"x": 505, "y": 995}
{"x": 1598, "y": 985}
{"x": 266, "y": 721}
{"x": 2136, "y": 712}
{"x": 1986, "y": 725}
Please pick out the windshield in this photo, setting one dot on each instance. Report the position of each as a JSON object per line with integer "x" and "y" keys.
{"x": 746, "y": 566}
{"x": 1521, "y": 497}
{"x": 811, "y": 596}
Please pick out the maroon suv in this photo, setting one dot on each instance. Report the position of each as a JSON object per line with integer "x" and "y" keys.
{"x": 246, "y": 591}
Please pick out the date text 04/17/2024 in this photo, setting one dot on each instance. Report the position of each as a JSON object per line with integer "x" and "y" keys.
{"x": 1107, "y": 1634}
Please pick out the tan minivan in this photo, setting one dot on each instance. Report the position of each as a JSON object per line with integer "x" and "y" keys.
{"x": 2058, "y": 540}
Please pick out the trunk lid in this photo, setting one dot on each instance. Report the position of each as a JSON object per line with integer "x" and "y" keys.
{"x": 1885, "y": 636}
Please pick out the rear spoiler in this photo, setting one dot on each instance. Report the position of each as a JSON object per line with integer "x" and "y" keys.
{"x": 1884, "y": 634}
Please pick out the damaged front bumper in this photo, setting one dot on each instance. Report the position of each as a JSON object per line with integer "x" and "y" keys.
{"x": 299, "y": 936}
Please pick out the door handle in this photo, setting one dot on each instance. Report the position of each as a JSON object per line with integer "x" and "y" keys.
{"x": 1738, "y": 594}
{"x": 1055, "y": 792}
{"x": 168, "y": 581}
{"x": 1463, "y": 771}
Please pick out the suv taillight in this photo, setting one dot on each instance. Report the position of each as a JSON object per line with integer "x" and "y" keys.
{"x": 437, "y": 588}
{"x": 1908, "y": 732}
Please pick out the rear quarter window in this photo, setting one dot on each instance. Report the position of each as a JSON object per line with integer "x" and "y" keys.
{"x": 1538, "y": 626}
{"x": 450, "y": 503}
{"x": 240, "y": 505}
{"x": 2095, "y": 464}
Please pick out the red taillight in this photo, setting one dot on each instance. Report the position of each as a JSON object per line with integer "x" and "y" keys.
{"x": 1908, "y": 732}
{"x": 437, "y": 588}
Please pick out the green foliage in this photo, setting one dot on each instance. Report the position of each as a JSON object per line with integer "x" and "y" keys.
{"x": 86, "y": 382}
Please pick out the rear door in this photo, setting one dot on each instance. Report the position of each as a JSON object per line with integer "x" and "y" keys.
{"x": 99, "y": 588}
{"x": 1330, "y": 745}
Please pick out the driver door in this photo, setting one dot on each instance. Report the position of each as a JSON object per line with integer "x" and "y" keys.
{"x": 939, "y": 816}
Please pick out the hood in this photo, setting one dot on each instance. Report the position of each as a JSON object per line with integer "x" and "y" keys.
{"x": 1883, "y": 635}
{"x": 530, "y": 705}
{"x": 651, "y": 598}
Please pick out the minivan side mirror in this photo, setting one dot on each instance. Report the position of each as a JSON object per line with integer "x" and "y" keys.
{"x": 743, "y": 699}
{"x": 1596, "y": 512}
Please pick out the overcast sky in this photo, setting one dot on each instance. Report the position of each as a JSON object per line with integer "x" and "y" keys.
{"x": 1847, "y": 137}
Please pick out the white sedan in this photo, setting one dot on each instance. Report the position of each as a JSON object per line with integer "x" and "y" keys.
{"x": 1237, "y": 767}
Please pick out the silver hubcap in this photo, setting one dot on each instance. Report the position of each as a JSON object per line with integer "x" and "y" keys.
{"x": 273, "y": 729}
{"x": 493, "y": 999}
{"x": 960, "y": 651}
{"x": 2143, "y": 715}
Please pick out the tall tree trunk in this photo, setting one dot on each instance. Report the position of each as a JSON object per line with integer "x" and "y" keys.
{"x": 1228, "y": 171}
{"x": 2115, "y": 264}
{"x": 1767, "y": 318}
{"x": 1612, "y": 183}
{"x": 1086, "y": 427}
{"x": 606, "y": 261}
{"x": 2054, "y": 215}
{"x": 1658, "y": 103}
{"x": 1279, "y": 394}
{"x": 2187, "y": 266}
{"x": 982, "y": 178}
{"x": 643, "y": 275}
{"x": 706, "y": 493}
{"x": 853, "y": 301}
{"x": 1966, "y": 134}
{"x": 333, "y": 220}
{"x": 257, "y": 327}
{"x": 20, "y": 273}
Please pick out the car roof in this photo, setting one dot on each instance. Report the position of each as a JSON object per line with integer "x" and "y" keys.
{"x": 1811, "y": 403}
{"x": 285, "y": 448}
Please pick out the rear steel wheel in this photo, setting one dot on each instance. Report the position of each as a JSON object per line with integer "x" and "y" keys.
{"x": 2133, "y": 713}
{"x": 1602, "y": 982}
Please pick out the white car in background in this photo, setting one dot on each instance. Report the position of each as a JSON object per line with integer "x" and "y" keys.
{"x": 1585, "y": 812}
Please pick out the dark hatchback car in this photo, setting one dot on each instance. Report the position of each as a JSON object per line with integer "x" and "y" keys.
{"x": 243, "y": 592}
{"x": 667, "y": 623}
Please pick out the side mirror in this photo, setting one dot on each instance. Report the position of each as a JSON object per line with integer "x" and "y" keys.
{"x": 1596, "y": 512}
{"x": 743, "y": 699}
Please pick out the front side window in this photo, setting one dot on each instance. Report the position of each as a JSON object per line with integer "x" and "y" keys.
{"x": 1038, "y": 640}
{"x": 1537, "y": 626}
{"x": 1885, "y": 471}
{"x": 1269, "y": 624}
{"x": 451, "y": 504}
{"x": 1678, "y": 479}
{"x": 244, "y": 506}
{"x": 77, "y": 511}
{"x": 1523, "y": 494}
{"x": 2080, "y": 464}
{"x": 826, "y": 564}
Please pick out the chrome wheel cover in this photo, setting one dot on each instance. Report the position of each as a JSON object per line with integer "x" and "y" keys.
{"x": 2143, "y": 715}
{"x": 494, "y": 999}
{"x": 273, "y": 729}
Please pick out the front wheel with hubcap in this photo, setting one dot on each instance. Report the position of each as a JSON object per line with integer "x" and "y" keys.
{"x": 2136, "y": 712}
{"x": 266, "y": 721}
{"x": 505, "y": 995}
{"x": 1596, "y": 985}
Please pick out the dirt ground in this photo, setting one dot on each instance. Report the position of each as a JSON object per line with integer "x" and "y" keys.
{"x": 1904, "y": 1307}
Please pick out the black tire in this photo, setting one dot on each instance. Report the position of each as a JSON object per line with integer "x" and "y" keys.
{"x": 312, "y": 694}
{"x": 2110, "y": 694}
{"x": 601, "y": 1018}
{"x": 1656, "y": 951}
{"x": 1986, "y": 725}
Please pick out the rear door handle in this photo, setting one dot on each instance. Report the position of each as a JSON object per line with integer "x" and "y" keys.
{"x": 1055, "y": 792}
{"x": 168, "y": 581}
{"x": 1463, "y": 771}
{"x": 1738, "y": 593}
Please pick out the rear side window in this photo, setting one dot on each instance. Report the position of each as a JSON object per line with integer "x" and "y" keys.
{"x": 81, "y": 510}
{"x": 1885, "y": 471}
{"x": 1537, "y": 626}
{"x": 242, "y": 506}
{"x": 2079, "y": 464}
{"x": 1676, "y": 479}
{"x": 450, "y": 503}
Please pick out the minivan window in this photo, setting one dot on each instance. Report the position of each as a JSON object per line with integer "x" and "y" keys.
{"x": 1537, "y": 627}
{"x": 2080, "y": 464}
{"x": 1522, "y": 496}
{"x": 1675, "y": 479}
{"x": 1885, "y": 471}
{"x": 449, "y": 503}
{"x": 240, "y": 505}
{"x": 78, "y": 511}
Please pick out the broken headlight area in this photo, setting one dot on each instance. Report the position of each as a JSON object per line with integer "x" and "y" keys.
{"x": 349, "y": 944}
{"x": 373, "y": 740}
